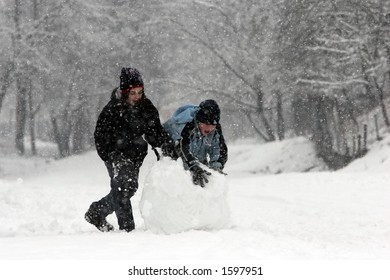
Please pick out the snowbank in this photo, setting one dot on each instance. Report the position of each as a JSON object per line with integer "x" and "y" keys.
{"x": 376, "y": 160}
{"x": 290, "y": 155}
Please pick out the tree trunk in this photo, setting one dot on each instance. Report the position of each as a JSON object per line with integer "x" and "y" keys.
{"x": 382, "y": 104}
{"x": 260, "y": 110}
{"x": 79, "y": 130}
{"x": 31, "y": 118}
{"x": 21, "y": 100}
{"x": 31, "y": 111}
{"x": 21, "y": 108}
{"x": 61, "y": 137}
{"x": 322, "y": 137}
{"x": 258, "y": 131}
{"x": 279, "y": 116}
{"x": 5, "y": 82}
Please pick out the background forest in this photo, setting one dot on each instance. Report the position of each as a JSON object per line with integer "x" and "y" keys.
{"x": 279, "y": 69}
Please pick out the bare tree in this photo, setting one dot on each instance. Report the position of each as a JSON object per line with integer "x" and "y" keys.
{"x": 227, "y": 55}
{"x": 337, "y": 51}
{"x": 21, "y": 80}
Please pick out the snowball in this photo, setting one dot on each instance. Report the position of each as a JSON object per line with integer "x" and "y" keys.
{"x": 171, "y": 203}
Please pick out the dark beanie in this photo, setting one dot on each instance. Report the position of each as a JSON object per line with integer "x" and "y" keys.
{"x": 209, "y": 112}
{"x": 130, "y": 77}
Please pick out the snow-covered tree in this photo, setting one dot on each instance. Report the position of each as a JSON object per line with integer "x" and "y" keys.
{"x": 339, "y": 63}
{"x": 223, "y": 53}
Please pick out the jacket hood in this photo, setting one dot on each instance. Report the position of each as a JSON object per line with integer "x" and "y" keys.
{"x": 185, "y": 113}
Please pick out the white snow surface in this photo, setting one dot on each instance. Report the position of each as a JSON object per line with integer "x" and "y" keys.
{"x": 277, "y": 211}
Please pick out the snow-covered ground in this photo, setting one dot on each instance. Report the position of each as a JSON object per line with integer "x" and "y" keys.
{"x": 278, "y": 212}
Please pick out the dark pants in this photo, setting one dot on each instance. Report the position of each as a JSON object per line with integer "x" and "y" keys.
{"x": 124, "y": 184}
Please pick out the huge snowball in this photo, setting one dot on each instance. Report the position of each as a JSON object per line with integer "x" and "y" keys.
{"x": 171, "y": 203}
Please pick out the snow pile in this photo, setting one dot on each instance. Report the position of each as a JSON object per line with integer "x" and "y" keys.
{"x": 290, "y": 155}
{"x": 376, "y": 160}
{"x": 171, "y": 203}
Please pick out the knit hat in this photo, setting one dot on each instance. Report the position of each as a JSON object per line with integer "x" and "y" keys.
{"x": 130, "y": 78}
{"x": 209, "y": 112}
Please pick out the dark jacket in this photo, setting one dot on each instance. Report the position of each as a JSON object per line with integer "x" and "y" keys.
{"x": 121, "y": 130}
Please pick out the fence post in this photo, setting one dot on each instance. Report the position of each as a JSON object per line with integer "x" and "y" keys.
{"x": 359, "y": 151}
{"x": 347, "y": 150}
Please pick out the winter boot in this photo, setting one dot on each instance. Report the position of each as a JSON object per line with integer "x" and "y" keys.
{"x": 128, "y": 226}
{"x": 125, "y": 218}
{"x": 100, "y": 223}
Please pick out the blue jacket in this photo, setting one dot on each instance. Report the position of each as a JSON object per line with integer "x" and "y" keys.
{"x": 191, "y": 145}
{"x": 183, "y": 115}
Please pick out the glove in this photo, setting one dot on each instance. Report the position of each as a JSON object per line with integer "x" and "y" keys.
{"x": 219, "y": 170}
{"x": 199, "y": 175}
{"x": 168, "y": 150}
{"x": 217, "y": 167}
